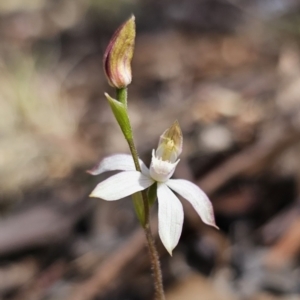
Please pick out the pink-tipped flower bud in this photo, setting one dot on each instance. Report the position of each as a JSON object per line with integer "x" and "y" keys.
{"x": 118, "y": 55}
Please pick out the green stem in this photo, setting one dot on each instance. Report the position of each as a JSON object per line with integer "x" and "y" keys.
{"x": 121, "y": 95}
{"x": 135, "y": 157}
{"x": 154, "y": 258}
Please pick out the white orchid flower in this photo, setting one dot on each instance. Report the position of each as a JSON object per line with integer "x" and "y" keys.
{"x": 163, "y": 164}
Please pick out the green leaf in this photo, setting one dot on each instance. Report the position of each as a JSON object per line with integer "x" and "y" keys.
{"x": 139, "y": 207}
{"x": 121, "y": 115}
{"x": 152, "y": 194}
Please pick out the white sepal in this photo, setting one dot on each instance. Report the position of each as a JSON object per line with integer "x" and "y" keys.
{"x": 122, "y": 162}
{"x": 121, "y": 185}
{"x": 196, "y": 197}
{"x": 161, "y": 170}
{"x": 170, "y": 217}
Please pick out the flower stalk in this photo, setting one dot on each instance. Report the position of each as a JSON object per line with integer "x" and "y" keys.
{"x": 121, "y": 95}
{"x": 154, "y": 258}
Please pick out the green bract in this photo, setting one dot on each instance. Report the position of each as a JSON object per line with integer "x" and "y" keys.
{"x": 139, "y": 207}
{"x": 120, "y": 112}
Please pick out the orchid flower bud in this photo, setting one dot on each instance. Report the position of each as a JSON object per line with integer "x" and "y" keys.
{"x": 118, "y": 55}
{"x": 164, "y": 159}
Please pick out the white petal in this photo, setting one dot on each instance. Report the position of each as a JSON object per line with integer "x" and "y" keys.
{"x": 170, "y": 217}
{"x": 121, "y": 185}
{"x": 122, "y": 162}
{"x": 196, "y": 197}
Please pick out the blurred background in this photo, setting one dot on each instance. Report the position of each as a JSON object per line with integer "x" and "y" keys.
{"x": 229, "y": 71}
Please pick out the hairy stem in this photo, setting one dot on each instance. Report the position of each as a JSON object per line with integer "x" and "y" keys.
{"x": 157, "y": 274}
{"x": 154, "y": 258}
